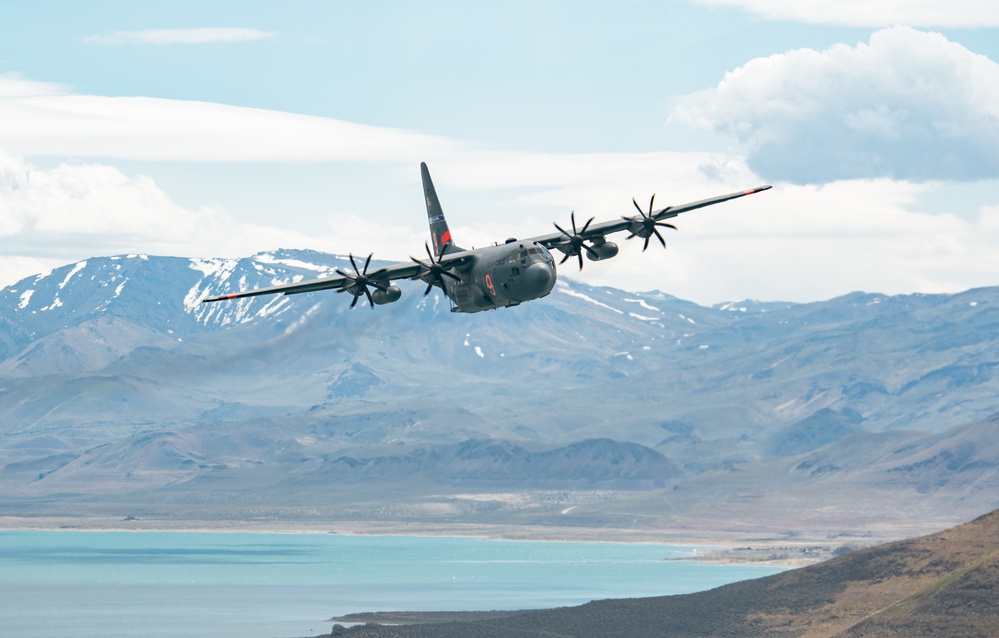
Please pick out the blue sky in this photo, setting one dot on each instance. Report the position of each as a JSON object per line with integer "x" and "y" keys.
{"x": 228, "y": 128}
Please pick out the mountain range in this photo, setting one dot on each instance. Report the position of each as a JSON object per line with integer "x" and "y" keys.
{"x": 122, "y": 395}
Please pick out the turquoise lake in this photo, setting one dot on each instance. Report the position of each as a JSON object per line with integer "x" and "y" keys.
{"x": 248, "y": 585}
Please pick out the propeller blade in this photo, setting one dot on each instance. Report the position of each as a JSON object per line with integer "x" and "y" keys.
{"x": 576, "y": 243}
{"x": 647, "y": 223}
{"x": 434, "y": 273}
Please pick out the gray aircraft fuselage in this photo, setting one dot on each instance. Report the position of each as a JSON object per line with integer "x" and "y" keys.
{"x": 500, "y": 276}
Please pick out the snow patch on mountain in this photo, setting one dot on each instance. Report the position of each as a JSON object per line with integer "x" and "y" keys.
{"x": 565, "y": 289}
{"x": 271, "y": 259}
{"x": 643, "y": 304}
{"x": 77, "y": 268}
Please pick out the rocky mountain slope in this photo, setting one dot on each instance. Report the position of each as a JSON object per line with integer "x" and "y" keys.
{"x": 121, "y": 394}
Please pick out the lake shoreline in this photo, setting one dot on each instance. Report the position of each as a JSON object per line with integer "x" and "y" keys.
{"x": 717, "y": 546}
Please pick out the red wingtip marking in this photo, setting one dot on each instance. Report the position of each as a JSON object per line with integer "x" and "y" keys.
{"x": 232, "y": 296}
{"x": 750, "y": 191}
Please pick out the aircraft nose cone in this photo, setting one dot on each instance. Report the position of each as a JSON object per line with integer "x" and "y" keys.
{"x": 538, "y": 278}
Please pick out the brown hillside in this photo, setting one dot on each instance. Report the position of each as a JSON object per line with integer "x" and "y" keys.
{"x": 945, "y": 584}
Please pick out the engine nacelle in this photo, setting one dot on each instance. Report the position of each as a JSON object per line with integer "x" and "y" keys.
{"x": 390, "y": 294}
{"x": 604, "y": 250}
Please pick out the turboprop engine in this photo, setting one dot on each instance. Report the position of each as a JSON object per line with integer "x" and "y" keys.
{"x": 387, "y": 295}
{"x": 601, "y": 251}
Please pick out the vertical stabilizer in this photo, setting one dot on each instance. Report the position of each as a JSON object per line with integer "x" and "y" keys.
{"x": 435, "y": 215}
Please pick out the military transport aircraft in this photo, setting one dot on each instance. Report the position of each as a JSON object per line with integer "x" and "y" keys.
{"x": 495, "y": 276}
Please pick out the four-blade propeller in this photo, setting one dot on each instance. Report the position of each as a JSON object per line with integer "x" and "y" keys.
{"x": 358, "y": 282}
{"x": 434, "y": 272}
{"x": 575, "y": 242}
{"x": 647, "y": 224}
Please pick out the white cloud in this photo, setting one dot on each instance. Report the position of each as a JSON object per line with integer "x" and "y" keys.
{"x": 75, "y": 211}
{"x": 794, "y": 242}
{"x": 874, "y": 13}
{"x": 207, "y": 35}
{"x": 14, "y": 86}
{"x": 908, "y": 104}
{"x": 812, "y": 242}
{"x": 39, "y": 119}
{"x": 42, "y": 119}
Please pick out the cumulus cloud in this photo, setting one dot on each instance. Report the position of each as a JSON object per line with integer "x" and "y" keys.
{"x": 908, "y": 104}
{"x": 873, "y": 13}
{"x": 75, "y": 211}
{"x": 207, "y": 35}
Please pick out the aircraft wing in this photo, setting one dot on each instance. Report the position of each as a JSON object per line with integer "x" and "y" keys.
{"x": 634, "y": 222}
{"x": 340, "y": 282}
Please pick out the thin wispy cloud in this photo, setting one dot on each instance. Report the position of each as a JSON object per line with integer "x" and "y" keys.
{"x": 204, "y": 35}
{"x": 40, "y": 119}
{"x": 873, "y": 13}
